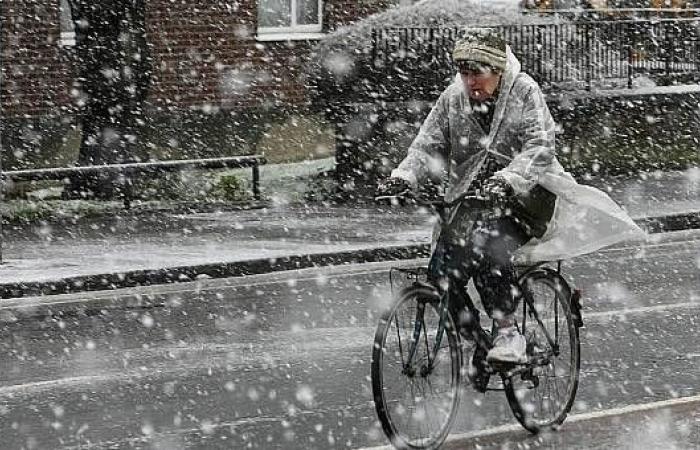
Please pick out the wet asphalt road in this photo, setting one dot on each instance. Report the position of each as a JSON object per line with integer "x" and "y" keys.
{"x": 282, "y": 361}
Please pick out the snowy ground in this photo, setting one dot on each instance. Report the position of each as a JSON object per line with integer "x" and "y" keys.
{"x": 282, "y": 362}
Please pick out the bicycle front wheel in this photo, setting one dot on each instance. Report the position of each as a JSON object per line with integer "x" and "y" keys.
{"x": 542, "y": 396}
{"x": 415, "y": 387}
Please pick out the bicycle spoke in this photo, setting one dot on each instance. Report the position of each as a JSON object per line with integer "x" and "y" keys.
{"x": 548, "y": 327}
{"x": 427, "y": 347}
{"x": 422, "y": 400}
{"x": 398, "y": 334}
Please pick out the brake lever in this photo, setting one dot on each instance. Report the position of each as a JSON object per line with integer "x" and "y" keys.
{"x": 383, "y": 198}
{"x": 393, "y": 199}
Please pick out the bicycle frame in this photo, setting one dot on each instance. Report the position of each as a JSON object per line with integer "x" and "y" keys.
{"x": 482, "y": 337}
{"x": 528, "y": 301}
{"x": 415, "y": 340}
{"x": 442, "y": 208}
{"x": 564, "y": 293}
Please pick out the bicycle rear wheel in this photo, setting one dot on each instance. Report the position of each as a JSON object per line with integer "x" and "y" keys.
{"x": 541, "y": 396}
{"x": 416, "y": 396}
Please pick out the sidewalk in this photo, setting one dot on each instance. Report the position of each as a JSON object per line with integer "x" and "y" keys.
{"x": 157, "y": 248}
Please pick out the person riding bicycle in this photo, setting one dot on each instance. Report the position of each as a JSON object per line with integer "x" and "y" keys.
{"x": 491, "y": 135}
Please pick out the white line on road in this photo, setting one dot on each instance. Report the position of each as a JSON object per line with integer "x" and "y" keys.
{"x": 308, "y": 343}
{"x": 640, "y": 310}
{"x": 574, "y": 418}
{"x": 51, "y": 384}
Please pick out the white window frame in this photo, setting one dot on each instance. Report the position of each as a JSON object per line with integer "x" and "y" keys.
{"x": 67, "y": 27}
{"x": 294, "y": 31}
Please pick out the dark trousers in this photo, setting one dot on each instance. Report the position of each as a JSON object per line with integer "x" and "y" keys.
{"x": 483, "y": 253}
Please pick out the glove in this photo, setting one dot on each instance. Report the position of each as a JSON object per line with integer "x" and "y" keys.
{"x": 498, "y": 190}
{"x": 393, "y": 187}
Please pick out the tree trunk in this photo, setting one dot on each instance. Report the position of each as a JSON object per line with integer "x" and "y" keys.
{"x": 113, "y": 82}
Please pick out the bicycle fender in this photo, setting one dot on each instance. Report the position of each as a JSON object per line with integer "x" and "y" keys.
{"x": 576, "y": 307}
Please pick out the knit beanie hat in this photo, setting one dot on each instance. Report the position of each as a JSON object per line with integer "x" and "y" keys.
{"x": 481, "y": 47}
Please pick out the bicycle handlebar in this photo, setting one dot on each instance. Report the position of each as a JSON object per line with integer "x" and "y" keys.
{"x": 473, "y": 200}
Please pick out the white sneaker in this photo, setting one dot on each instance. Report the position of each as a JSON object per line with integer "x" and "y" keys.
{"x": 508, "y": 347}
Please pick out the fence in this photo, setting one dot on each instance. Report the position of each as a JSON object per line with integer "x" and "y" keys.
{"x": 148, "y": 168}
{"x": 416, "y": 62}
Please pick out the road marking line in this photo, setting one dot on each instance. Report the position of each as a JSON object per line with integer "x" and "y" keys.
{"x": 350, "y": 338}
{"x": 639, "y": 310}
{"x": 574, "y": 418}
{"x": 50, "y": 384}
{"x": 644, "y": 246}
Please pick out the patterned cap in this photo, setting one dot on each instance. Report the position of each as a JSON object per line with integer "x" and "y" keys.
{"x": 481, "y": 46}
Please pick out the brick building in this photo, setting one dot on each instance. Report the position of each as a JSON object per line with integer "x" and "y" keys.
{"x": 212, "y": 55}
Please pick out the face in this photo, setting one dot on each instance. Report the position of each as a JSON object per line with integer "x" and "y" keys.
{"x": 480, "y": 85}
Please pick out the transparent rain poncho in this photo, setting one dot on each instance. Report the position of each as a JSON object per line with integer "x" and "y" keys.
{"x": 451, "y": 145}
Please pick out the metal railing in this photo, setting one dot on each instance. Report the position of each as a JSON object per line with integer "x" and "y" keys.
{"x": 416, "y": 62}
{"x": 614, "y": 13}
{"x": 145, "y": 168}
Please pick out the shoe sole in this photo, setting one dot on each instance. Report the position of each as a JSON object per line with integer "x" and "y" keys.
{"x": 506, "y": 361}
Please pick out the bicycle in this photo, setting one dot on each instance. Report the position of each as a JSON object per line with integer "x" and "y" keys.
{"x": 409, "y": 345}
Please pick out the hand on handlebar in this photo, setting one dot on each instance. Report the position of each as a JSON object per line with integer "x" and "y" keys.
{"x": 394, "y": 190}
{"x": 497, "y": 191}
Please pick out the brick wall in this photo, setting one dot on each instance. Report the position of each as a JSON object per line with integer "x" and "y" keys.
{"x": 204, "y": 55}
{"x": 343, "y": 12}
{"x": 36, "y": 75}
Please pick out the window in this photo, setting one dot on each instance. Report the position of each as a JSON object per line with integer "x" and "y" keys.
{"x": 289, "y": 17}
{"x": 67, "y": 38}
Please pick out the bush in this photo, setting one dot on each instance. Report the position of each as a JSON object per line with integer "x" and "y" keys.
{"x": 230, "y": 188}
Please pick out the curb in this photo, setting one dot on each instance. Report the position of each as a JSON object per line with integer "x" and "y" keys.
{"x": 182, "y": 274}
{"x": 665, "y": 224}
{"x": 113, "y": 281}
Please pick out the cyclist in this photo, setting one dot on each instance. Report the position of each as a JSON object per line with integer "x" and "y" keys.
{"x": 491, "y": 135}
